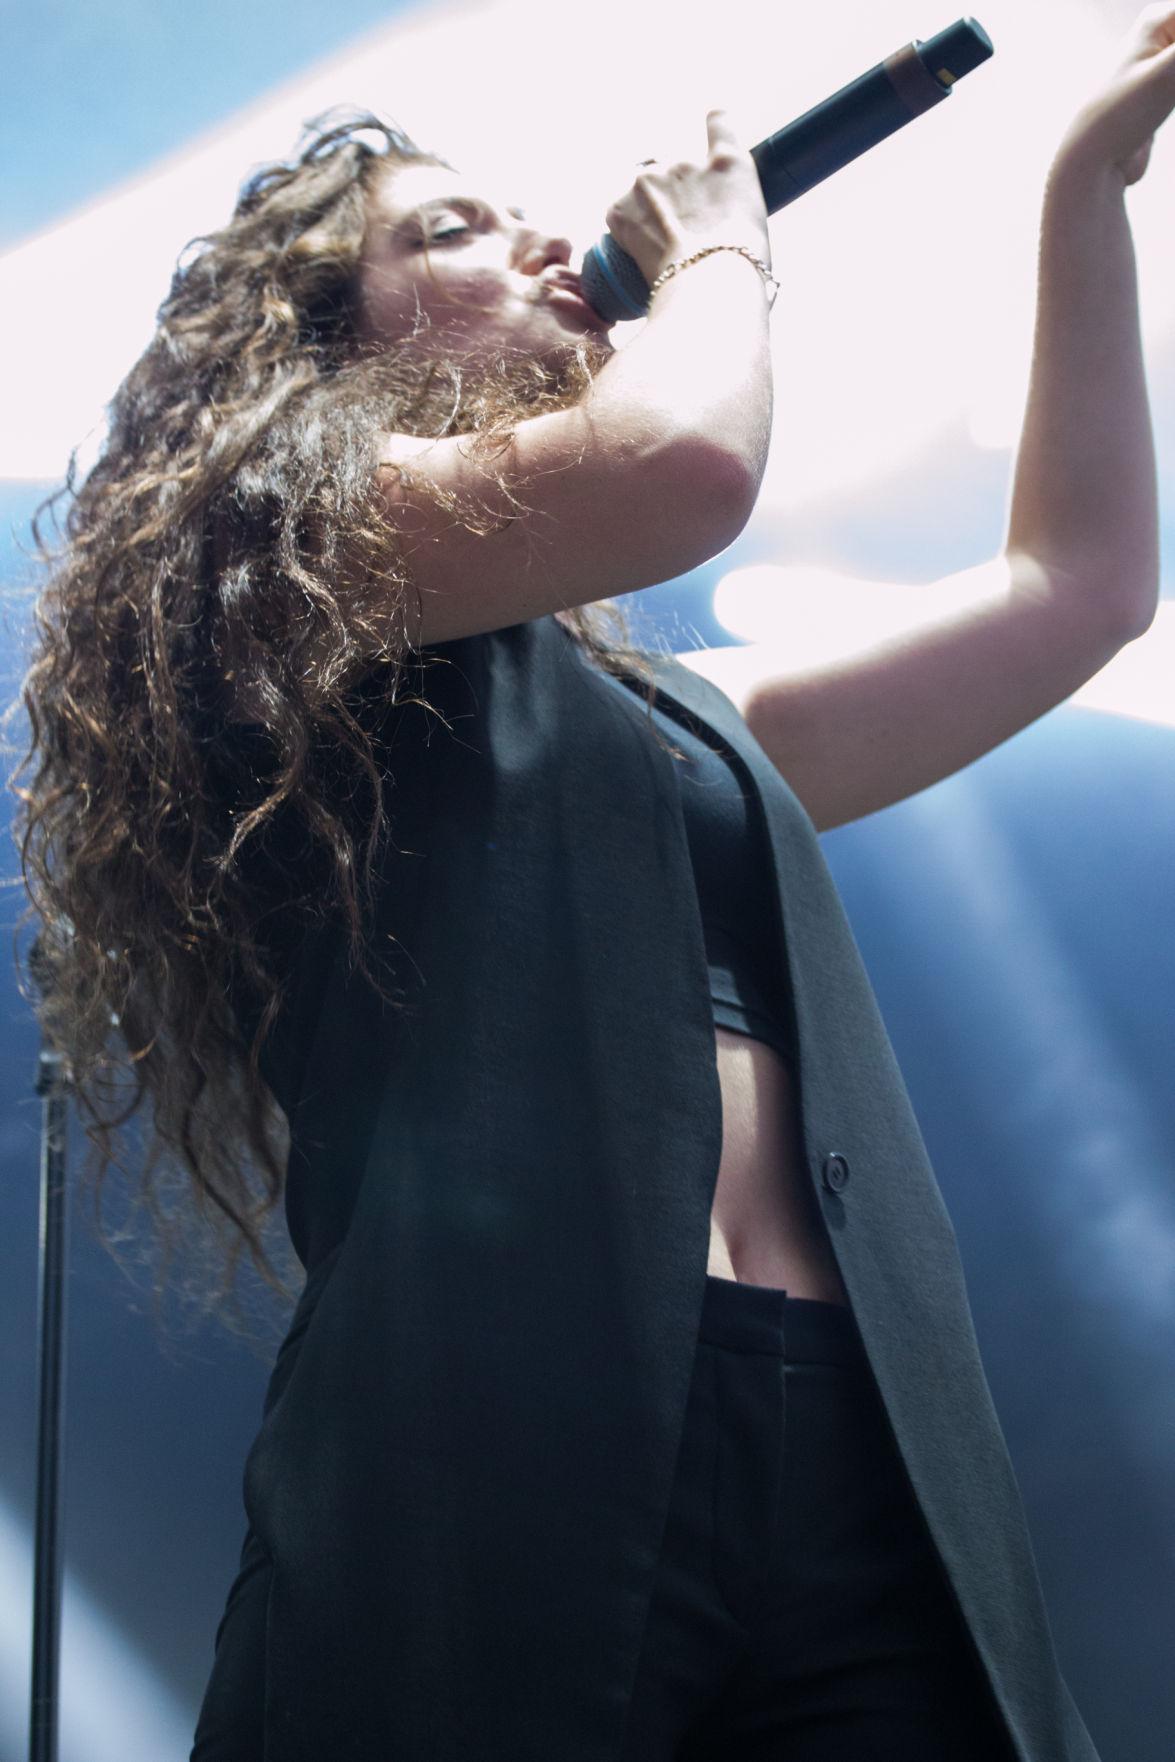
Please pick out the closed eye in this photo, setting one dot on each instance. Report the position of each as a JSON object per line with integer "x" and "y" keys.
{"x": 442, "y": 233}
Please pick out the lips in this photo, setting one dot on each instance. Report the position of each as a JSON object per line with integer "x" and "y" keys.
{"x": 561, "y": 278}
{"x": 567, "y": 283}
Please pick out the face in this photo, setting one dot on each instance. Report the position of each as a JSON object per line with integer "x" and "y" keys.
{"x": 464, "y": 271}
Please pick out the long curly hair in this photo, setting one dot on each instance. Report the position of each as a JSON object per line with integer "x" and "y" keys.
{"x": 197, "y": 570}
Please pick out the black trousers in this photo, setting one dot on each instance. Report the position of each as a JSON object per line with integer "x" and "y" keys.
{"x": 799, "y": 1612}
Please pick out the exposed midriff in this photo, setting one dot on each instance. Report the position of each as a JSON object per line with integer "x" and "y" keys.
{"x": 764, "y": 1225}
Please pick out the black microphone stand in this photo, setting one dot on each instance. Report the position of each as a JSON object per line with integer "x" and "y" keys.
{"x": 52, "y": 1084}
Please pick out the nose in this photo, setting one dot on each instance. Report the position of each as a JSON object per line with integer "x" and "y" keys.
{"x": 534, "y": 250}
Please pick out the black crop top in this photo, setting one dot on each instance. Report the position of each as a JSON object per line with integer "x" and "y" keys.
{"x": 733, "y": 878}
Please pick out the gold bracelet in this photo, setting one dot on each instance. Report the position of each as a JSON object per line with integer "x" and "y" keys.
{"x": 684, "y": 263}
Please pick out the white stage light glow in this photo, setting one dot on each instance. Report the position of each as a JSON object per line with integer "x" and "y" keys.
{"x": 907, "y": 278}
{"x": 113, "y": 1705}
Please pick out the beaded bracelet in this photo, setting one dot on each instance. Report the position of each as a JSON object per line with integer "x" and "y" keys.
{"x": 684, "y": 263}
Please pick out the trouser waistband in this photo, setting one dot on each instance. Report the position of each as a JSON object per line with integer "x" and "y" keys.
{"x": 760, "y": 1318}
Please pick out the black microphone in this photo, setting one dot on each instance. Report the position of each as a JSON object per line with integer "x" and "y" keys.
{"x": 818, "y": 143}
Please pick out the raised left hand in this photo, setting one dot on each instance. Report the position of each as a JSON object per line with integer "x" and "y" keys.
{"x": 1116, "y": 126}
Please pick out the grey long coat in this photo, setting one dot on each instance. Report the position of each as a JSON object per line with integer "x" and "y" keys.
{"x": 463, "y": 1469}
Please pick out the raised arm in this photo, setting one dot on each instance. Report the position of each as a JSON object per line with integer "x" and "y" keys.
{"x": 650, "y": 473}
{"x": 1084, "y": 502}
{"x": 653, "y": 473}
{"x": 999, "y": 645}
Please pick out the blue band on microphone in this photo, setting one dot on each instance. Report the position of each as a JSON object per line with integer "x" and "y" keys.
{"x": 623, "y": 299}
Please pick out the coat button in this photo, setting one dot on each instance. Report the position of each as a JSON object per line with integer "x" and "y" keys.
{"x": 835, "y": 1173}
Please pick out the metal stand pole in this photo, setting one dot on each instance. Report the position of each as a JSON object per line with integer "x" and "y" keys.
{"x": 51, "y": 1084}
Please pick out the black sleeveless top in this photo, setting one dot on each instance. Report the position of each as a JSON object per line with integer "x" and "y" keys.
{"x": 732, "y": 871}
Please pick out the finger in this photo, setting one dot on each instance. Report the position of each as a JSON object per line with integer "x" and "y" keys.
{"x": 725, "y": 145}
{"x": 720, "y": 129}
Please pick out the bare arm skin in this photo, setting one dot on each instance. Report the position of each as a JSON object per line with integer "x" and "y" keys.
{"x": 654, "y": 470}
{"x": 1078, "y": 575}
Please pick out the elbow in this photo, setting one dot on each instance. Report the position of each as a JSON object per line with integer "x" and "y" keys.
{"x": 1129, "y": 616}
{"x": 722, "y": 490}
{"x": 1138, "y": 619}
{"x": 1120, "y": 603}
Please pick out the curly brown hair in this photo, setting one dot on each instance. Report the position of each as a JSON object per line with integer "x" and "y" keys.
{"x": 199, "y": 568}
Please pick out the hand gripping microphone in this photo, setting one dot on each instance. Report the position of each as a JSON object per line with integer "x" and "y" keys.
{"x": 818, "y": 143}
